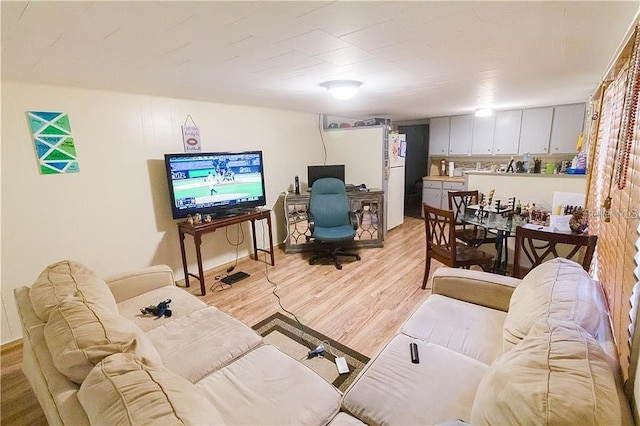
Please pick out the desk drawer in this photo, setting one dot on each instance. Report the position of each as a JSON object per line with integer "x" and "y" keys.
{"x": 432, "y": 184}
{"x": 453, "y": 186}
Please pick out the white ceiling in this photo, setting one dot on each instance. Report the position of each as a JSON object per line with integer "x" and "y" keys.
{"x": 416, "y": 59}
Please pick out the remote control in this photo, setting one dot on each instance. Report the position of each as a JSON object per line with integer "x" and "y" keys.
{"x": 341, "y": 363}
{"x": 414, "y": 353}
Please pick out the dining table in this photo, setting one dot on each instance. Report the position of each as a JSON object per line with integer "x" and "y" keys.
{"x": 500, "y": 225}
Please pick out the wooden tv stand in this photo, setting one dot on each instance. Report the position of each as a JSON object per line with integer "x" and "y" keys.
{"x": 196, "y": 232}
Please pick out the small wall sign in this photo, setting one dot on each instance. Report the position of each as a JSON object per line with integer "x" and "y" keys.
{"x": 191, "y": 136}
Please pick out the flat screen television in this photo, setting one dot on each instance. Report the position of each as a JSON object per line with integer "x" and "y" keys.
{"x": 316, "y": 172}
{"x": 216, "y": 183}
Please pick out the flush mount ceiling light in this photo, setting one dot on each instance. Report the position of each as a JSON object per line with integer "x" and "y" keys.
{"x": 342, "y": 89}
{"x": 484, "y": 112}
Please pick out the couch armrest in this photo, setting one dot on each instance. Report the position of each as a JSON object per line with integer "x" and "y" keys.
{"x": 130, "y": 284}
{"x": 481, "y": 288}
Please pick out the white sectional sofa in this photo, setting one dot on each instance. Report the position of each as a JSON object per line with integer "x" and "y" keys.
{"x": 93, "y": 358}
{"x": 493, "y": 350}
{"x": 497, "y": 350}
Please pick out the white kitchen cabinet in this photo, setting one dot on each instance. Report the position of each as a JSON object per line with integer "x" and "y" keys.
{"x": 436, "y": 193}
{"x": 439, "y": 136}
{"x": 461, "y": 135}
{"x": 483, "y": 135}
{"x": 432, "y": 193}
{"x": 506, "y": 138}
{"x": 568, "y": 121}
{"x": 449, "y": 186}
{"x": 535, "y": 131}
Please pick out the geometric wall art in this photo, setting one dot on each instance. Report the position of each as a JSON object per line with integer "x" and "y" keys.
{"x": 53, "y": 141}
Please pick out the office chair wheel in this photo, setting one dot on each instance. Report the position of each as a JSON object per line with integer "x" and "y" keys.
{"x": 338, "y": 266}
{"x": 358, "y": 257}
{"x": 312, "y": 262}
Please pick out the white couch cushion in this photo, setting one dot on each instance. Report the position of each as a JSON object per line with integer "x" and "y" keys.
{"x": 559, "y": 289}
{"x": 69, "y": 279}
{"x": 558, "y": 374}
{"x": 182, "y": 303}
{"x": 79, "y": 336}
{"x": 463, "y": 327}
{"x": 393, "y": 390}
{"x": 125, "y": 389}
{"x": 201, "y": 342}
{"x": 268, "y": 387}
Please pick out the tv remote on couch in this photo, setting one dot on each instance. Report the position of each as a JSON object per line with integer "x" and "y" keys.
{"x": 414, "y": 353}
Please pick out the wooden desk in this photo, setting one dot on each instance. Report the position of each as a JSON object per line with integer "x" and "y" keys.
{"x": 196, "y": 232}
{"x": 369, "y": 208}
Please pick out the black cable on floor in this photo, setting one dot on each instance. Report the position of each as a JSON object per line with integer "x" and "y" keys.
{"x": 275, "y": 287}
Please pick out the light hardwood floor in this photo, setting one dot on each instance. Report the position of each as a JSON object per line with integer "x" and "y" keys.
{"x": 361, "y": 306}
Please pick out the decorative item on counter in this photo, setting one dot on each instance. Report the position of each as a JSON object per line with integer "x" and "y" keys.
{"x": 510, "y": 166}
{"x": 520, "y": 167}
{"x": 443, "y": 168}
{"x": 579, "y": 222}
{"x": 190, "y": 219}
{"x": 208, "y": 218}
{"x": 551, "y": 168}
{"x": 197, "y": 219}
{"x": 578, "y": 165}
{"x": 525, "y": 165}
{"x": 451, "y": 168}
{"x": 537, "y": 165}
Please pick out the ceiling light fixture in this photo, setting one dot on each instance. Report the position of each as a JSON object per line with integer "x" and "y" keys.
{"x": 484, "y": 112}
{"x": 342, "y": 89}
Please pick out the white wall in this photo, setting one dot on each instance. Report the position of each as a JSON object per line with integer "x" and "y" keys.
{"x": 361, "y": 150}
{"x": 114, "y": 215}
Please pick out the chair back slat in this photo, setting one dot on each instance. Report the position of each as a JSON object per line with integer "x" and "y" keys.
{"x": 458, "y": 202}
{"x": 538, "y": 246}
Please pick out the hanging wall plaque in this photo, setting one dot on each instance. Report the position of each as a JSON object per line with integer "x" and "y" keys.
{"x": 191, "y": 136}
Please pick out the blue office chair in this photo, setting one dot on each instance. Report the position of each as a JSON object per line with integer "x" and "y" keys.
{"x": 331, "y": 223}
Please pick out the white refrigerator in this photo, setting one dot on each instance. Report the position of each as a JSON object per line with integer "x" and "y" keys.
{"x": 395, "y": 180}
{"x": 369, "y": 157}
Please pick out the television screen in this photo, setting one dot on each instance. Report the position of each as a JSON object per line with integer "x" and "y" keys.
{"x": 316, "y": 172}
{"x": 215, "y": 183}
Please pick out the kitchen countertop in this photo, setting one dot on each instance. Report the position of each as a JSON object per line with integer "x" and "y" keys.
{"x": 561, "y": 175}
{"x": 445, "y": 178}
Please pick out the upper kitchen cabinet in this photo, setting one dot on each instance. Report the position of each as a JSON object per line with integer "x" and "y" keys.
{"x": 535, "y": 130}
{"x": 439, "y": 136}
{"x": 483, "y": 135}
{"x": 506, "y": 139}
{"x": 568, "y": 121}
{"x": 461, "y": 135}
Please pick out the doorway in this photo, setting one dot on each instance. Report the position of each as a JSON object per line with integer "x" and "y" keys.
{"x": 415, "y": 166}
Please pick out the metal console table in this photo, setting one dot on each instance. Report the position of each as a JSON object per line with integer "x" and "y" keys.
{"x": 369, "y": 208}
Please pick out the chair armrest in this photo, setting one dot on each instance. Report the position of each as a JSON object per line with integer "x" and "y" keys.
{"x": 353, "y": 219}
{"x": 311, "y": 222}
{"x": 477, "y": 287}
{"x": 130, "y": 284}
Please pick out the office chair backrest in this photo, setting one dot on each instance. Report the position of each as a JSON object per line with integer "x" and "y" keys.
{"x": 328, "y": 204}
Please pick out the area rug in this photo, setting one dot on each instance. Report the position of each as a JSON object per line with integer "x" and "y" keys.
{"x": 297, "y": 340}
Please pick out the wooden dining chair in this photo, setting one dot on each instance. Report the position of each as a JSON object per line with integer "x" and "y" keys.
{"x": 442, "y": 245}
{"x": 471, "y": 235}
{"x": 538, "y": 246}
